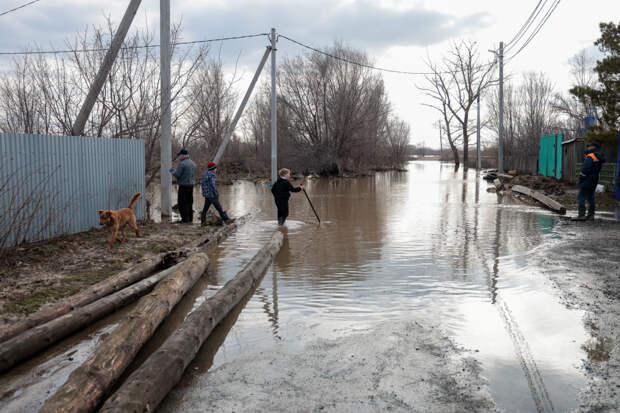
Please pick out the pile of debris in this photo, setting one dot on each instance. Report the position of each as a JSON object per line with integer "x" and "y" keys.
{"x": 534, "y": 188}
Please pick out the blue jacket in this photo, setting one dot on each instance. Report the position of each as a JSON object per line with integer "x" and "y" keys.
{"x": 185, "y": 172}
{"x": 209, "y": 186}
{"x": 590, "y": 169}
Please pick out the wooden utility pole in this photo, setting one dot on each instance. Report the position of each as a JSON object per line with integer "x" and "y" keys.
{"x": 166, "y": 128}
{"x": 78, "y": 127}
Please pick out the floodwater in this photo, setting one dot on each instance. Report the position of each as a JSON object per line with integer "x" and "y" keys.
{"x": 428, "y": 245}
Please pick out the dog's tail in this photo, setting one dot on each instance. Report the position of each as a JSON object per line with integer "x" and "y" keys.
{"x": 134, "y": 199}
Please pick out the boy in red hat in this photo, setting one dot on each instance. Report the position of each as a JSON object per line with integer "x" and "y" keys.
{"x": 210, "y": 193}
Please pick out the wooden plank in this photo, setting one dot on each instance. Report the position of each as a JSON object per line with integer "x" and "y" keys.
{"x": 87, "y": 385}
{"x": 543, "y": 199}
{"x": 146, "y": 387}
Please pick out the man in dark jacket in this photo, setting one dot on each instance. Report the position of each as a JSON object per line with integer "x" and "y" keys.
{"x": 281, "y": 191}
{"x": 588, "y": 179}
{"x": 209, "y": 191}
{"x": 185, "y": 172}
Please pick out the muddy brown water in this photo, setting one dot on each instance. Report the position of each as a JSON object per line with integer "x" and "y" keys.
{"x": 428, "y": 244}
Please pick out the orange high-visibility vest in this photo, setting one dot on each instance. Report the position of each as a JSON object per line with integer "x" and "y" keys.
{"x": 593, "y": 156}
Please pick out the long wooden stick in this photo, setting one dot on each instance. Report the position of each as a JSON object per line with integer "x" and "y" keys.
{"x": 312, "y": 206}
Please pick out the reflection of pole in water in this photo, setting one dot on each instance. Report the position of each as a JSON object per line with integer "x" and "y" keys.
{"x": 272, "y": 316}
{"x": 535, "y": 381}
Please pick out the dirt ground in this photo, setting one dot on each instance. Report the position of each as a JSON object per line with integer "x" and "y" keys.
{"x": 43, "y": 272}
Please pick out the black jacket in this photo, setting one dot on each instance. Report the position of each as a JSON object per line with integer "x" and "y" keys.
{"x": 591, "y": 167}
{"x": 282, "y": 189}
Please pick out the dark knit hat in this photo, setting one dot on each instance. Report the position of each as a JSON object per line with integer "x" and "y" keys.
{"x": 182, "y": 152}
{"x": 597, "y": 145}
{"x": 211, "y": 165}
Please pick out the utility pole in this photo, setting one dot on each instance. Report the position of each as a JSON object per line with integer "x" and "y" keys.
{"x": 500, "y": 137}
{"x": 500, "y": 144}
{"x": 274, "y": 110}
{"x": 166, "y": 128}
{"x": 78, "y": 127}
{"x": 478, "y": 161}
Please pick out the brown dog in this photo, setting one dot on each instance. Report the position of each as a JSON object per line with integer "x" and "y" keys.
{"x": 116, "y": 220}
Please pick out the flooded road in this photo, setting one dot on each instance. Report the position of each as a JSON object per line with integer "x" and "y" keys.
{"x": 426, "y": 245}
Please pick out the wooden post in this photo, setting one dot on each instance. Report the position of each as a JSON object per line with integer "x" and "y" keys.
{"x": 146, "y": 387}
{"x": 86, "y": 387}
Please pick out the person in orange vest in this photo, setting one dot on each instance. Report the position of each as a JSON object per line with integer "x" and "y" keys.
{"x": 588, "y": 180}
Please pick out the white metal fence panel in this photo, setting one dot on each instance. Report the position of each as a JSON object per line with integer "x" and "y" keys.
{"x": 54, "y": 185}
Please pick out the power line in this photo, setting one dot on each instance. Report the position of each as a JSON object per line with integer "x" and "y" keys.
{"x": 19, "y": 7}
{"x": 40, "y": 52}
{"x": 535, "y": 32}
{"x": 353, "y": 62}
{"x": 526, "y": 25}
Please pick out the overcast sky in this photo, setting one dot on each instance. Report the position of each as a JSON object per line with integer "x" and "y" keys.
{"x": 397, "y": 34}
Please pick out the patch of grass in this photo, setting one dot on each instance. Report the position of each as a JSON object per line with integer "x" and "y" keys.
{"x": 32, "y": 302}
{"x": 95, "y": 275}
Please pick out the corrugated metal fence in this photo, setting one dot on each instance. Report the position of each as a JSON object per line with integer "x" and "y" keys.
{"x": 53, "y": 185}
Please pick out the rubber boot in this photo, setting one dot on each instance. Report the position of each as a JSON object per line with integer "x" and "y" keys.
{"x": 579, "y": 218}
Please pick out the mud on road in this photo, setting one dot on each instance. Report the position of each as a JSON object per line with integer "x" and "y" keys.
{"x": 399, "y": 367}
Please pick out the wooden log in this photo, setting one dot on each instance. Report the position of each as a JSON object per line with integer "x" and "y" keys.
{"x": 216, "y": 237}
{"x": 543, "y": 199}
{"x": 87, "y": 296}
{"x": 146, "y": 387}
{"x": 86, "y": 387}
{"x": 505, "y": 176}
{"x": 42, "y": 336}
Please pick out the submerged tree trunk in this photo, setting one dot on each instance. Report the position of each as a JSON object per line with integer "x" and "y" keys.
{"x": 86, "y": 387}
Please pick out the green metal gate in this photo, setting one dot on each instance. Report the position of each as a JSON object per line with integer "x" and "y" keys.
{"x": 550, "y": 156}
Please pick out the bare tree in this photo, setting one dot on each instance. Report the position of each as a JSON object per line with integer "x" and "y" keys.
{"x": 454, "y": 86}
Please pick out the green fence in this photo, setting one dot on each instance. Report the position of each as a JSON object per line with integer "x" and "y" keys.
{"x": 607, "y": 176}
{"x": 550, "y": 156}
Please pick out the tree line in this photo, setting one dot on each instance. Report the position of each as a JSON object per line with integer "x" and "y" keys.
{"x": 333, "y": 117}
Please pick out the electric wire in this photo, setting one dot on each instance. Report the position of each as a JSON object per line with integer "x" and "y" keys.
{"x": 526, "y": 25}
{"x": 381, "y": 69}
{"x": 150, "y": 46}
{"x": 535, "y": 32}
{"x": 18, "y": 7}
